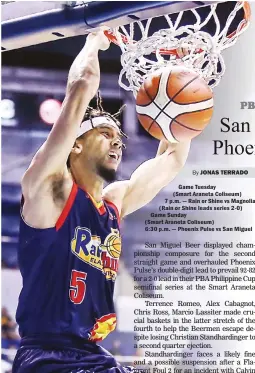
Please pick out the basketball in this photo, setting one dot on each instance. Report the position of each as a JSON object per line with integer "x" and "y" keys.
{"x": 175, "y": 104}
{"x": 114, "y": 246}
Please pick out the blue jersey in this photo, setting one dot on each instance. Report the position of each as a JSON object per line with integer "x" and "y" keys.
{"x": 69, "y": 271}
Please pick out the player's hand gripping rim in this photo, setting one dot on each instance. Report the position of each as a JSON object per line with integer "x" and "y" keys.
{"x": 99, "y": 38}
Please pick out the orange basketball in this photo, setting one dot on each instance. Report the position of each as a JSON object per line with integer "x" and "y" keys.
{"x": 174, "y": 104}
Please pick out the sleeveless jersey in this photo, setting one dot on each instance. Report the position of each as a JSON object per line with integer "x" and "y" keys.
{"x": 69, "y": 271}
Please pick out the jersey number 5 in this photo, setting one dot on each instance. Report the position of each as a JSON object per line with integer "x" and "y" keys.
{"x": 77, "y": 286}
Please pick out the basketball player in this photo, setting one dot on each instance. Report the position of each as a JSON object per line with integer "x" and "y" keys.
{"x": 69, "y": 232}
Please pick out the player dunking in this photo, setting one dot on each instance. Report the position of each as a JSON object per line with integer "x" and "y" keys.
{"x": 69, "y": 233}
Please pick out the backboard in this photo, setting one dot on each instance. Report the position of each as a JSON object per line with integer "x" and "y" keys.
{"x": 26, "y": 23}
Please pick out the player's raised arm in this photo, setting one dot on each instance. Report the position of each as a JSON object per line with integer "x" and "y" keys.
{"x": 149, "y": 178}
{"x": 83, "y": 82}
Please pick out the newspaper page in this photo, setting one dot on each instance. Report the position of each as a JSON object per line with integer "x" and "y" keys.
{"x": 184, "y": 295}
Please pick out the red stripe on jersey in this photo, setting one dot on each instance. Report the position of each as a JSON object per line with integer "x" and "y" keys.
{"x": 67, "y": 208}
{"x": 101, "y": 210}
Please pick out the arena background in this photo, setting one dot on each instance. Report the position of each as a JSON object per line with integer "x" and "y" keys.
{"x": 32, "y": 75}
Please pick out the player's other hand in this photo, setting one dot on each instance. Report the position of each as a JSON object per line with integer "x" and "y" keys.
{"x": 183, "y": 52}
{"x": 100, "y": 39}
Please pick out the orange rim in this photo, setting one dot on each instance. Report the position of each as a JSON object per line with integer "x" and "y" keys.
{"x": 244, "y": 23}
{"x": 114, "y": 40}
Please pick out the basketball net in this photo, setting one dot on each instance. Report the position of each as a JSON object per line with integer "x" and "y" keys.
{"x": 144, "y": 56}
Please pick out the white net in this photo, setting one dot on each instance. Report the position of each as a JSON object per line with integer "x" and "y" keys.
{"x": 144, "y": 52}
